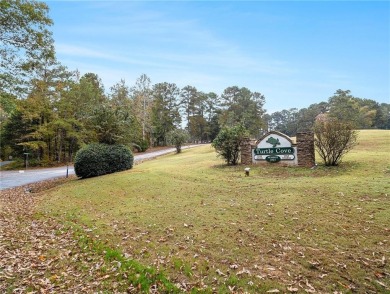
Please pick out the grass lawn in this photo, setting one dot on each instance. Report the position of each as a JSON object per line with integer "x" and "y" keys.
{"x": 208, "y": 227}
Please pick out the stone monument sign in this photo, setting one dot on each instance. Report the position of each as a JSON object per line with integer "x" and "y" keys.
{"x": 277, "y": 148}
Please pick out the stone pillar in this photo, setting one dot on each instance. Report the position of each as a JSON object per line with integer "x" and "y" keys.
{"x": 305, "y": 149}
{"x": 246, "y": 151}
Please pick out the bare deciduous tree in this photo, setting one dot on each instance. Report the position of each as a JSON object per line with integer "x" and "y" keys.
{"x": 333, "y": 140}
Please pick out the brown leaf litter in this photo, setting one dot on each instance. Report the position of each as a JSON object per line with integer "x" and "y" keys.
{"x": 40, "y": 255}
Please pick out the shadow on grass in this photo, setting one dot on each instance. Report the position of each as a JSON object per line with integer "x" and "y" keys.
{"x": 279, "y": 171}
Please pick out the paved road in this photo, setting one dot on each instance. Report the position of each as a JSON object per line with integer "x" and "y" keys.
{"x": 4, "y": 162}
{"x": 10, "y": 179}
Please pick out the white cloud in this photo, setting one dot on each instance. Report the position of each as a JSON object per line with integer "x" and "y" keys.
{"x": 79, "y": 51}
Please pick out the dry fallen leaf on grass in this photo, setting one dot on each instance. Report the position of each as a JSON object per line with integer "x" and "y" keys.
{"x": 292, "y": 289}
{"x": 40, "y": 255}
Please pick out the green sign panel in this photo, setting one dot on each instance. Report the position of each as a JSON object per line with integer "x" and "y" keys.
{"x": 274, "y": 151}
{"x": 273, "y": 158}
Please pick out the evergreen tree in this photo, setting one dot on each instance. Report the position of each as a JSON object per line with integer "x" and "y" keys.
{"x": 165, "y": 111}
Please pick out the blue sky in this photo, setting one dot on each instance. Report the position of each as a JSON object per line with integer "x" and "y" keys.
{"x": 295, "y": 53}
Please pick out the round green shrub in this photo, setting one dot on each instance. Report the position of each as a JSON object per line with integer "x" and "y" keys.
{"x": 99, "y": 159}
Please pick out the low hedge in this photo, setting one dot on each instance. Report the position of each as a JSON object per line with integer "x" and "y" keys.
{"x": 99, "y": 159}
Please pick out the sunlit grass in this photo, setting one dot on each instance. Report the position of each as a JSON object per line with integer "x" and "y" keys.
{"x": 206, "y": 224}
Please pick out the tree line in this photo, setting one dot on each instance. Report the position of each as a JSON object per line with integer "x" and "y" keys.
{"x": 359, "y": 112}
{"x": 50, "y": 112}
{"x": 64, "y": 111}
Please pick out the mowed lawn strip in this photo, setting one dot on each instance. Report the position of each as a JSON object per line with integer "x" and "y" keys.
{"x": 207, "y": 226}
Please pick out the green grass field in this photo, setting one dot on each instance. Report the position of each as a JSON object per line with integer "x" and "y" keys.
{"x": 208, "y": 227}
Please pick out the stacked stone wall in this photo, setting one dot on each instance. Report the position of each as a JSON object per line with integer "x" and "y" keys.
{"x": 305, "y": 149}
{"x": 246, "y": 152}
